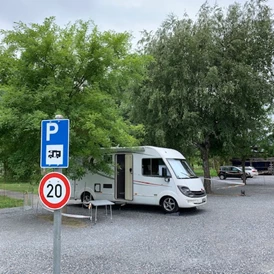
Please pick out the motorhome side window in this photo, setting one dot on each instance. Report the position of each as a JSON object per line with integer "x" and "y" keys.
{"x": 152, "y": 166}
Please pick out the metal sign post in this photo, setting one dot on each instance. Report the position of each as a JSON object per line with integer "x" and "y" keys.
{"x": 57, "y": 216}
{"x": 54, "y": 188}
{"x": 54, "y": 192}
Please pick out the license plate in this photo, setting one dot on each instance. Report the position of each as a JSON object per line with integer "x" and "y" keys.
{"x": 198, "y": 201}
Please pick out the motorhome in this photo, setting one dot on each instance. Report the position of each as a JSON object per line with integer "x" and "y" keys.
{"x": 144, "y": 175}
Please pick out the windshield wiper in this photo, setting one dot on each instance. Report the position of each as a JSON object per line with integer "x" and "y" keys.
{"x": 187, "y": 176}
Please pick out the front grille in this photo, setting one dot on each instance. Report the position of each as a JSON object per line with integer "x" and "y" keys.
{"x": 198, "y": 194}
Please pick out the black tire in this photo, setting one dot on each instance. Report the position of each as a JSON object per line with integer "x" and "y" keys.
{"x": 86, "y": 198}
{"x": 169, "y": 204}
{"x": 222, "y": 177}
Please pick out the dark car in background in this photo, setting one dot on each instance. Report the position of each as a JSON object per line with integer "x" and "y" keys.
{"x": 231, "y": 172}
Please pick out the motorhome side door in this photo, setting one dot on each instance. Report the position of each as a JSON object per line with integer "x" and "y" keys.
{"x": 123, "y": 178}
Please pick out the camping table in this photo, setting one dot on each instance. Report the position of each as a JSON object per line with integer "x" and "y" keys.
{"x": 105, "y": 203}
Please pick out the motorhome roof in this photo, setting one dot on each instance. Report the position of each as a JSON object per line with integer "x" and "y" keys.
{"x": 127, "y": 149}
{"x": 164, "y": 152}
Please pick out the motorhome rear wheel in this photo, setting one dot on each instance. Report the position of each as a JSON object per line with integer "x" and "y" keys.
{"x": 86, "y": 197}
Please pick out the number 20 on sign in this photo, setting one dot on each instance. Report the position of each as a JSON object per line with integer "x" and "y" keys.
{"x": 54, "y": 190}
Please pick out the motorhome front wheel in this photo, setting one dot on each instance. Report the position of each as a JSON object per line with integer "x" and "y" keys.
{"x": 169, "y": 204}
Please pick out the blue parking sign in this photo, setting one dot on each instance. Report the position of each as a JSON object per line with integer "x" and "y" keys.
{"x": 54, "y": 143}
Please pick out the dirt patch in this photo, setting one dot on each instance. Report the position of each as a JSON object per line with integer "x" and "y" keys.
{"x": 66, "y": 220}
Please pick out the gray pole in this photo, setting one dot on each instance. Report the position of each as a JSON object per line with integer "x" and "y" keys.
{"x": 57, "y": 222}
{"x": 57, "y": 241}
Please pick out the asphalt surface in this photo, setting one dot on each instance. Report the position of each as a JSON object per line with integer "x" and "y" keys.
{"x": 232, "y": 233}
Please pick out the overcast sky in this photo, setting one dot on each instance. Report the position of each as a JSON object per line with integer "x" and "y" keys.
{"x": 118, "y": 15}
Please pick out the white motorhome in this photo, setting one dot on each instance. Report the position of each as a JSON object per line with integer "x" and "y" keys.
{"x": 144, "y": 175}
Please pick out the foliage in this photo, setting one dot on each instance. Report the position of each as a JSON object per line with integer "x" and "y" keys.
{"x": 19, "y": 187}
{"x": 199, "y": 171}
{"x": 76, "y": 71}
{"x": 7, "y": 202}
{"x": 211, "y": 80}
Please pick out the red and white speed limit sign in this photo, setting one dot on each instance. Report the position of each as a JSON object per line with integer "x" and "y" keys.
{"x": 54, "y": 190}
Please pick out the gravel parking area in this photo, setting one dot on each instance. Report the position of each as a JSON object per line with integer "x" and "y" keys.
{"x": 230, "y": 234}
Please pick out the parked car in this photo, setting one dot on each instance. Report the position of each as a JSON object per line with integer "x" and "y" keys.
{"x": 231, "y": 172}
{"x": 251, "y": 171}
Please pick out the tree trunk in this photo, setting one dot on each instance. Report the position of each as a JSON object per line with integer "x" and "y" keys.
{"x": 6, "y": 170}
{"x": 243, "y": 169}
{"x": 205, "y": 158}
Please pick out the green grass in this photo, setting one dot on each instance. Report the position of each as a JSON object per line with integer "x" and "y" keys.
{"x": 20, "y": 187}
{"x": 200, "y": 172}
{"x": 7, "y": 202}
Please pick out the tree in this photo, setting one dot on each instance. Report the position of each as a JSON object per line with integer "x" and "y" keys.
{"x": 210, "y": 80}
{"x": 76, "y": 71}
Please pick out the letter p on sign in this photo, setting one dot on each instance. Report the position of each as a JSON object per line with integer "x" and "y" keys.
{"x": 52, "y": 128}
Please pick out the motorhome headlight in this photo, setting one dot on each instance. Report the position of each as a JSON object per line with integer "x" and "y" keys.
{"x": 186, "y": 191}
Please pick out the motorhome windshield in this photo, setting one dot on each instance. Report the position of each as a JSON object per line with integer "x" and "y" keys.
{"x": 181, "y": 169}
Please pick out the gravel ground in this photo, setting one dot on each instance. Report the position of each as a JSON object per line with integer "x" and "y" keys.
{"x": 230, "y": 234}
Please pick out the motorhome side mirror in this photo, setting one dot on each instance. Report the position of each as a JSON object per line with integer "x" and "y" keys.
{"x": 164, "y": 172}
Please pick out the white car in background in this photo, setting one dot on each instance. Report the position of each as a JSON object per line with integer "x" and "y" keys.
{"x": 251, "y": 171}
